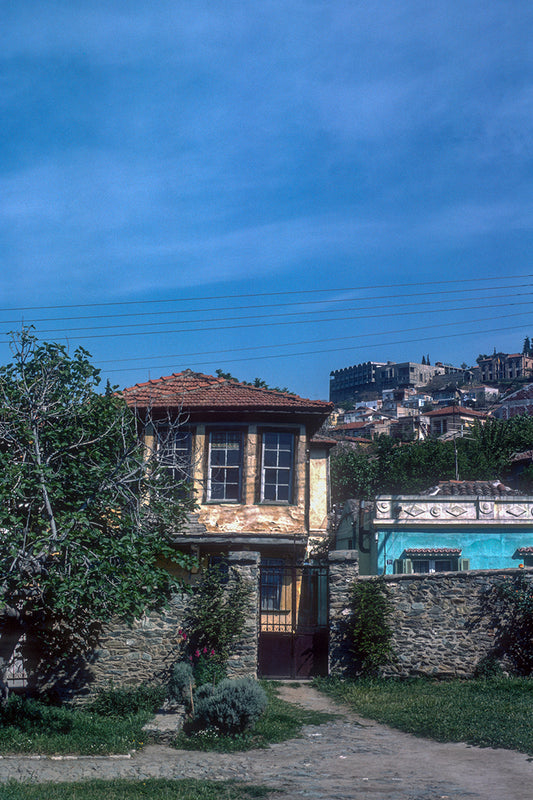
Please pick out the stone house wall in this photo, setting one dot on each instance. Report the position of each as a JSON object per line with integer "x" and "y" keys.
{"x": 130, "y": 655}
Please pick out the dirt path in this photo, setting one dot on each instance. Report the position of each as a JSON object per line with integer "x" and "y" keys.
{"x": 346, "y": 759}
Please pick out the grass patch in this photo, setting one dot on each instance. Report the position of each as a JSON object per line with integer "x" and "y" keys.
{"x": 279, "y": 722}
{"x": 492, "y": 712}
{"x": 28, "y": 726}
{"x": 152, "y": 789}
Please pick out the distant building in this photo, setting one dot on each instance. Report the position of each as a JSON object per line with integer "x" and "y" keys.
{"x": 350, "y": 383}
{"x": 347, "y": 383}
{"x": 519, "y": 402}
{"x": 505, "y": 367}
{"x": 453, "y": 419}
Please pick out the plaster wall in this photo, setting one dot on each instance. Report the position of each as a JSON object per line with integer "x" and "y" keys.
{"x": 486, "y": 549}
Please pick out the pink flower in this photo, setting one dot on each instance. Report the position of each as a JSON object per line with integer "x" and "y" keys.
{"x": 197, "y": 653}
{"x": 212, "y": 652}
{"x": 184, "y": 636}
{"x": 204, "y": 650}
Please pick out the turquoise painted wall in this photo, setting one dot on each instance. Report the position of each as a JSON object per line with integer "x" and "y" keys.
{"x": 486, "y": 549}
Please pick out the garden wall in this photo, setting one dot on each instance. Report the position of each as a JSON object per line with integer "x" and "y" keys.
{"x": 144, "y": 651}
{"x": 442, "y": 622}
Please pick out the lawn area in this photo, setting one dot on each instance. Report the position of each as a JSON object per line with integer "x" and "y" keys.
{"x": 494, "y": 712}
{"x": 116, "y": 727}
{"x": 133, "y": 790}
{"x": 49, "y": 730}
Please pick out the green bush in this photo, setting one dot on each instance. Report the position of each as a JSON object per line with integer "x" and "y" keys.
{"x": 231, "y": 707}
{"x": 488, "y": 667}
{"x": 123, "y": 702}
{"x": 368, "y": 628}
{"x": 217, "y": 615}
{"x": 32, "y": 716}
{"x": 181, "y": 684}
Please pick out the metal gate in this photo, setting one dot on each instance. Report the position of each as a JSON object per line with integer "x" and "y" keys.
{"x": 293, "y": 637}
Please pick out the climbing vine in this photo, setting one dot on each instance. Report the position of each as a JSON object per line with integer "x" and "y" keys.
{"x": 369, "y": 628}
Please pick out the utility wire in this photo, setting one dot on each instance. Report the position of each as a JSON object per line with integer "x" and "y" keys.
{"x": 330, "y": 301}
{"x": 413, "y": 312}
{"x": 269, "y": 294}
{"x": 251, "y": 325}
{"x": 337, "y": 349}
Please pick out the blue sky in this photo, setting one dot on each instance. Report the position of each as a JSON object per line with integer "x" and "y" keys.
{"x": 156, "y": 154}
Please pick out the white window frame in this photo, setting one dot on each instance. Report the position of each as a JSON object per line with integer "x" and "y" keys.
{"x": 226, "y": 468}
{"x": 174, "y": 451}
{"x": 281, "y": 469}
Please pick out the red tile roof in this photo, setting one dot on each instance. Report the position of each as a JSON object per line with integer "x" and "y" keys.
{"x": 196, "y": 391}
{"x": 432, "y": 552}
{"x": 458, "y": 410}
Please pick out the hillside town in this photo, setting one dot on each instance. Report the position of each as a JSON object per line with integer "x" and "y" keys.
{"x": 411, "y": 401}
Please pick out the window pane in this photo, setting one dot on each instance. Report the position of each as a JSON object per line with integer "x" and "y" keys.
{"x": 277, "y": 466}
{"x": 225, "y": 465}
{"x": 285, "y": 458}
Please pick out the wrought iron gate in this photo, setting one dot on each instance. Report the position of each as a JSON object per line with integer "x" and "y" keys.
{"x": 293, "y": 638}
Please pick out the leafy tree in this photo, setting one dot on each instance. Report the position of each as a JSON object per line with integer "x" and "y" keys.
{"x": 79, "y": 541}
{"x": 353, "y": 473}
{"x": 526, "y": 350}
{"x": 387, "y": 466}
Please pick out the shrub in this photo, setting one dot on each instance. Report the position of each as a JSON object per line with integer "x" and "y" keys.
{"x": 488, "y": 667}
{"x": 514, "y": 619}
{"x": 181, "y": 683}
{"x": 217, "y": 613}
{"x": 369, "y": 631}
{"x": 122, "y": 702}
{"x": 231, "y": 707}
{"x": 207, "y": 668}
{"x": 31, "y": 716}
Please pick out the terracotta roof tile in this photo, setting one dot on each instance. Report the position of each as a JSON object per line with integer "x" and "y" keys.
{"x": 471, "y": 489}
{"x": 432, "y": 552}
{"x": 196, "y": 391}
{"x": 459, "y": 410}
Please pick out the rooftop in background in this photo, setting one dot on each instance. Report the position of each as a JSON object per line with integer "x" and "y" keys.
{"x": 458, "y": 410}
{"x": 194, "y": 390}
{"x": 471, "y": 489}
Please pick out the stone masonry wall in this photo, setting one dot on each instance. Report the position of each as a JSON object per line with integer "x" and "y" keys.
{"x": 440, "y": 621}
{"x": 343, "y": 571}
{"x": 130, "y": 655}
{"x": 442, "y": 626}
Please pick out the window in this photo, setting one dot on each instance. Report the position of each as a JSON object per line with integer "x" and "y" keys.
{"x": 225, "y": 466}
{"x": 433, "y": 562}
{"x": 276, "y": 467}
{"x": 272, "y": 579}
{"x": 174, "y": 451}
{"x": 433, "y": 565}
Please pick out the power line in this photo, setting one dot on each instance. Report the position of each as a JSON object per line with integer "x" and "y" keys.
{"x": 267, "y": 294}
{"x": 330, "y": 350}
{"x": 413, "y": 312}
{"x": 285, "y": 305}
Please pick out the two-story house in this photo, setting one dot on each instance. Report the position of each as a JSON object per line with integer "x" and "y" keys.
{"x": 258, "y": 468}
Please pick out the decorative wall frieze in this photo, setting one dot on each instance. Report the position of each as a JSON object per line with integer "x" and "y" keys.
{"x": 423, "y": 509}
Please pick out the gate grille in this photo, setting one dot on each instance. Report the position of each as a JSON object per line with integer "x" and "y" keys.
{"x": 293, "y": 639}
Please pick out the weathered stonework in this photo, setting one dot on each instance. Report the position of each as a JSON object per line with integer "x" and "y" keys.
{"x": 130, "y": 655}
{"x": 442, "y": 627}
{"x": 343, "y": 571}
